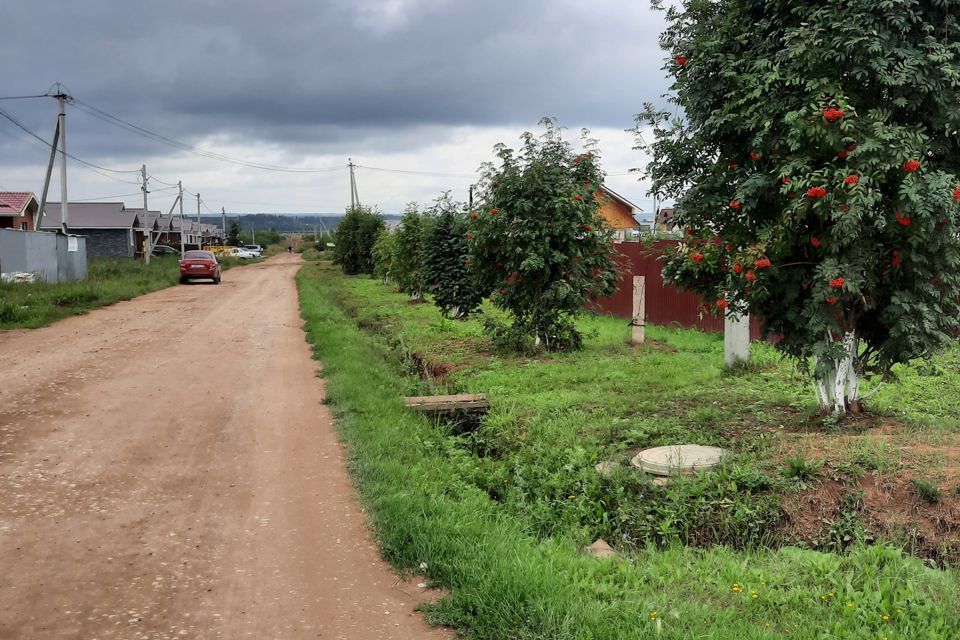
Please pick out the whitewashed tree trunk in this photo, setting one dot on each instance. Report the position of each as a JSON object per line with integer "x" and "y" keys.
{"x": 838, "y": 386}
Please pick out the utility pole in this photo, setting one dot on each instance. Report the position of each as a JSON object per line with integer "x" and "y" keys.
{"x": 354, "y": 196}
{"x": 146, "y": 231}
{"x": 180, "y": 186}
{"x": 223, "y": 222}
{"x": 471, "y": 196}
{"x": 62, "y": 125}
{"x": 199, "y": 242}
{"x": 38, "y": 223}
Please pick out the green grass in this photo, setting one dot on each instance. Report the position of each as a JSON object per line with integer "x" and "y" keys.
{"x": 109, "y": 280}
{"x": 498, "y": 513}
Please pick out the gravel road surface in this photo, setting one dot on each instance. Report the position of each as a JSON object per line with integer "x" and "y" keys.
{"x": 167, "y": 470}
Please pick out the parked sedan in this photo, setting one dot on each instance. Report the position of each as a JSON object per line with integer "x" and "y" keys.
{"x": 255, "y": 249}
{"x": 199, "y": 264}
{"x": 238, "y": 252}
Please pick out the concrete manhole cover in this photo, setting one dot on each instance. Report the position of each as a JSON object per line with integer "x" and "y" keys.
{"x": 677, "y": 458}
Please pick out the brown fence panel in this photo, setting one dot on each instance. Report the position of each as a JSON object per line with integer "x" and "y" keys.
{"x": 665, "y": 304}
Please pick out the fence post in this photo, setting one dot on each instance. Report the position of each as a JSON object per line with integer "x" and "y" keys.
{"x": 736, "y": 338}
{"x": 639, "y": 310}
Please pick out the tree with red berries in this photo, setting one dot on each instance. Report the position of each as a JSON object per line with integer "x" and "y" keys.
{"x": 538, "y": 242}
{"x": 816, "y": 164}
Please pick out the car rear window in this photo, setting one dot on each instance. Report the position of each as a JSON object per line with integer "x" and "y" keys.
{"x": 198, "y": 255}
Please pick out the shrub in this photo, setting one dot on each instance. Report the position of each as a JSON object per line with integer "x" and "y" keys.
{"x": 356, "y": 235}
{"x": 538, "y": 241}
{"x": 408, "y": 252}
{"x": 383, "y": 256}
{"x": 446, "y": 260}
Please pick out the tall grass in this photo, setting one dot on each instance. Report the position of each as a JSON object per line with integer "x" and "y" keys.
{"x": 507, "y": 578}
{"x": 108, "y": 281}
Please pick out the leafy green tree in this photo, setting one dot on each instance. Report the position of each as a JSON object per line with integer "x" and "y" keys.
{"x": 538, "y": 241}
{"x": 233, "y": 234}
{"x": 384, "y": 251}
{"x": 263, "y": 238}
{"x": 356, "y": 234}
{"x": 815, "y": 169}
{"x": 408, "y": 252}
{"x": 447, "y": 270}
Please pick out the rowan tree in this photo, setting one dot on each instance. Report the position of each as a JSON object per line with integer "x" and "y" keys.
{"x": 814, "y": 164}
{"x": 537, "y": 240}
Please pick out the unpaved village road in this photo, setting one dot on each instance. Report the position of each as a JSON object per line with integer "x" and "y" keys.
{"x": 167, "y": 470}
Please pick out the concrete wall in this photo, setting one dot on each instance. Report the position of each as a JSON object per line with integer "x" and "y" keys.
{"x": 52, "y": 257}
{"x": 71, "y": 258}
{"x": 29, "y": 252}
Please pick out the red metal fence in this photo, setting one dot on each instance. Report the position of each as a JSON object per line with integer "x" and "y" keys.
{"x": 665, "y": 305}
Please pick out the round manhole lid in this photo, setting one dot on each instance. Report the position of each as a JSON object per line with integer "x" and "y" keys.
{"x": 678, "y": 458}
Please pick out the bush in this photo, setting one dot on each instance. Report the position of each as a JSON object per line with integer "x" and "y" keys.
{"x": 383, "y": 256}
{"x": 538, "y": 241}
{"x": 446, "y": 260}
{"x": 408, "y": 251}
{"x": 356, "y": 235}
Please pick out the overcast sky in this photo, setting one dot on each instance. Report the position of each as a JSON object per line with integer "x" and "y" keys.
{"x": 416, "y": 85}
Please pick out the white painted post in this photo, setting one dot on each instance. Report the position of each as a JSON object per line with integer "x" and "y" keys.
{"x": 736, "y": 338}
{"x": 639, "y": 310}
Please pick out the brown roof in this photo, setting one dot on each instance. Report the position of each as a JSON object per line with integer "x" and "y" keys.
{"x": 91, "y": 215}
{"x": 666, "y": 216}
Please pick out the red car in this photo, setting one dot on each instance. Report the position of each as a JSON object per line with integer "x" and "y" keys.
{"x": 199, "y": 264}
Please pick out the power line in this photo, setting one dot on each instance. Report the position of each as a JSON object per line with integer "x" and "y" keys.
{"x": 119, "y": 195}
{"x": 43, "y": 95}
{"x": 420, "y": 173}
{"x": 172, "y": 184}
{"x": 90, "y": 165}
{"x": 183, "y": 146}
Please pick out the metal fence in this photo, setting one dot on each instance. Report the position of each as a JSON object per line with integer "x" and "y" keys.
{"x": 49, "y": 257}
{"x": 665, "y": 305}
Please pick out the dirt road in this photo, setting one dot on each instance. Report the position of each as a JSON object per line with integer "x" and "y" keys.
{"x": 167, "y": 470}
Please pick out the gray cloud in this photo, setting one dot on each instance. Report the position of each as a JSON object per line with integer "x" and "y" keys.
{"x": 325, "y": 76}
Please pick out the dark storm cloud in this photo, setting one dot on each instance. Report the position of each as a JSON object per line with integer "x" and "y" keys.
{"x": 328, "y": 72}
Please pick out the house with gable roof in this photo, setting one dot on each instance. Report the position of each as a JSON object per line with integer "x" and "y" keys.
{"x": 618, "y": 212}
{"x": 111, "y": 230}
{"x": 18, "y": 210}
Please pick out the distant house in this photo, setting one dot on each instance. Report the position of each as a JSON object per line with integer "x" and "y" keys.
{"x": 111, "y": 230}
{"x": 666, "y": 221}
{"x": 147, "y": 221}
{"x": 619, "y": 213}
{"x": 18, "y": 210}
{"x": 211, "y": 234}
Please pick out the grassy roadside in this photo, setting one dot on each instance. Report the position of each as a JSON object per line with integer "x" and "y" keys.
{"x": 30, "y": 306}
{"x": 498, "y": 514}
